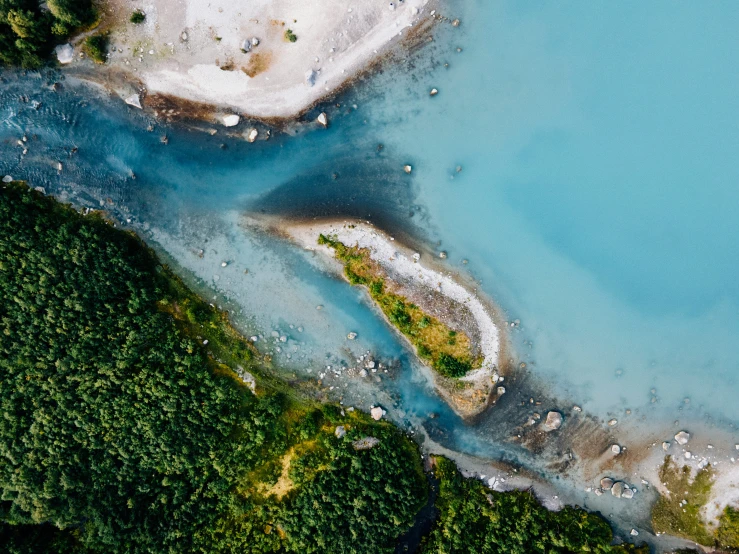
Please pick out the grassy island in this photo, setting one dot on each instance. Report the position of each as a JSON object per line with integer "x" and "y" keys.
{"x": 444, "y": 349}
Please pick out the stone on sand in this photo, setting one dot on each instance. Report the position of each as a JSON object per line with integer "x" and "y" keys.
{"x": 134, "y": 100}
{"x": 377, "y": 413}
{"x": 64, "y": 53}
{"x": 682, "y": 438}
{"x": 230, "y": 120}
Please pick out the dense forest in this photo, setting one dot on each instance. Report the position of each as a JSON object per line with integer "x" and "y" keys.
{"x": 121, "y": 428}
{"x": 127, "y": 428}
{"x": 29, "y": 29}
{"x": 475, "y": 520}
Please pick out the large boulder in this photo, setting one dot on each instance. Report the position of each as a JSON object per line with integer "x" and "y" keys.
{"x": 230, "y": 120}
{"x": 553, "y": 421}
{"x": 617, "y": 489}
{"x": 64, "y": 53}
{"x": 134, "y": 100}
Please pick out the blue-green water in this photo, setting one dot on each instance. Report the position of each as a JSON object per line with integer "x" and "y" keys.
{"x": 596, "y": 202}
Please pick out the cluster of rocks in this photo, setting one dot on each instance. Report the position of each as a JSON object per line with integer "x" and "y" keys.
{"x": 619, "y": 489}
{"x": 249, "y": 43}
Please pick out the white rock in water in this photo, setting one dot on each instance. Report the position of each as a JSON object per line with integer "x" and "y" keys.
{"x": 322, "y": 119}
{"x": 134, "y": 100}
{"x": 613, "y": 423}
{"x": 628, "y": 493}
{"x": 352, "y": 336}
{"x": 634, "y": 532}
{"x": 615, "y": 449}
{"x": 443, "y": 255}
{"x": 501, "y": 391}
{"x": 251, "y": 135}
{"x": 682, "y": 438}
{"x": 377, "y": 413}
{"x": 7, "y": 179}
{"x": 666, "y": 445}
{"x": 434, "y": 92}
{"x": 310, "y": 77}
{"x": 606, "y": 483}
{"x": 553, "y": 421}
{"x": 64, "y": 53}
{"x": 408, "y": 169}
{"x": 230, "y": 120}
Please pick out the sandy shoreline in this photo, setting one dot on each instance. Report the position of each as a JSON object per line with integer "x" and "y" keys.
{"x": 236, "y": 57}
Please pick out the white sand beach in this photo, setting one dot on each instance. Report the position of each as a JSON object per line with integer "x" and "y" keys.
{"x": 237, "y": 55}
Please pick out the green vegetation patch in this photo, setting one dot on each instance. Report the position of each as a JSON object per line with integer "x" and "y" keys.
{"x": 678, "y": 513}
{"x": 728, "y": 529}
{"x": 449, "y": 352}
{"x": 290, "y": 36}
{"x": 138, "y": 17}
{"x": 122, "y": 431}
{"x": 28, "y": 33}
{"x": 474, "y": 519}
{"x": 96, "y": 47}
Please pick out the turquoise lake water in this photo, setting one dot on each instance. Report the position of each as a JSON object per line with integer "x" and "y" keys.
{"x": 596, "y": 202}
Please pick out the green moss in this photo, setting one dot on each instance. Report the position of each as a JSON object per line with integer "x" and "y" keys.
{"x": 679, "y": 513}
{"x": 290, "y": 36}
{"x": 728, "y": 529}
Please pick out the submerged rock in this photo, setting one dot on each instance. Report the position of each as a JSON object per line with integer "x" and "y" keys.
{"x": 434, "y": 92}
{"x": 251, "y": 135}
{"x": 322, "y": 119}
{"x": 408, "y": 168}
{"x": 606, "y": 483}
{"x": 7, "y": 179}
{"x": 682, "y": 438}
{"x": 553, "y": 421}
{"x": 352, "y": 336}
